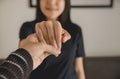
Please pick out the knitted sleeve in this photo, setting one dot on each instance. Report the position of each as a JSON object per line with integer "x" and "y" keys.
{"x": 18, "y": 65}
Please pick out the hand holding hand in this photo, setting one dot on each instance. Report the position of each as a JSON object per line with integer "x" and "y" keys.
{"x": 36, "y": 49}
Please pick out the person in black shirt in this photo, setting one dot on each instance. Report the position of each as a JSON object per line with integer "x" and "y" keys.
{"x": 69, "y": 64}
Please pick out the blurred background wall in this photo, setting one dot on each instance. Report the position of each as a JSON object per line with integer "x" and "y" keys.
{"x": 100, "y": 26}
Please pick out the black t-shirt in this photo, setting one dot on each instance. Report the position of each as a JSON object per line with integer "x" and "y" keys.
{"x": 61, "y": 67}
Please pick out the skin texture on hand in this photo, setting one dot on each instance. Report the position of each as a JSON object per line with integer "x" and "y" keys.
{"x": 36, "y": 49}
{"x": 52, "y": 32}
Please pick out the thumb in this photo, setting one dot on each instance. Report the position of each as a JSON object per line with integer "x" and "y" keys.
{"x": 65, "y": 36}
{"x": 52, "y": 50}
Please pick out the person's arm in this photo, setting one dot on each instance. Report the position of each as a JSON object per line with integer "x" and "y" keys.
{"x": 20, "y": 63}
{"x": 79, "y": 68}
{"x": 17, "y": 65}
{"x": 80, "y": 54}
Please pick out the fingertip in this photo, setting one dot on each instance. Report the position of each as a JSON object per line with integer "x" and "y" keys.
{"x": 58, "y": 54}
{"x": 64, "y": 40}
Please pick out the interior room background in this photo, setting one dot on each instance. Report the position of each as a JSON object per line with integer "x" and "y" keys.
{"x": 100, "y": 26}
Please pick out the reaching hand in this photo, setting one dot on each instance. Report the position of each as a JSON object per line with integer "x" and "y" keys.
{"x": 36, "y": 49}
{"x": 52, "y": 33}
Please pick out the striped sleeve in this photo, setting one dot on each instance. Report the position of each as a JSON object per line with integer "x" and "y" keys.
{"x": 18, "y": 65}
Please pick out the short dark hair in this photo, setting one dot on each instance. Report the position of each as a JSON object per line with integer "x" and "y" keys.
{"x": 63, "y": 18}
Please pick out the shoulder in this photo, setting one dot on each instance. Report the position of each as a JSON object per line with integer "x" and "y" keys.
{"x": 28, "y": 24}
{"x": 26, "y": 29}
{"x": 74, "y": 29}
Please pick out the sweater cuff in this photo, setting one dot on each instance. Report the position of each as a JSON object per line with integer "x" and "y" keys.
{"x": 24, "y": 53}
{"x": 19, "y": 63}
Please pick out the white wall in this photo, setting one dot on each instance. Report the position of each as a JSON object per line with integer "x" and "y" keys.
{"x": 12, "y": 14}
{"x": 101, "y": 27}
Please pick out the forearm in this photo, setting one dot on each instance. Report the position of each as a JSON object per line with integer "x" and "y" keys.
{"x": 18, "y": 65}
{"x": 79, "y": 68}
{"x": 80, "y": 75}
